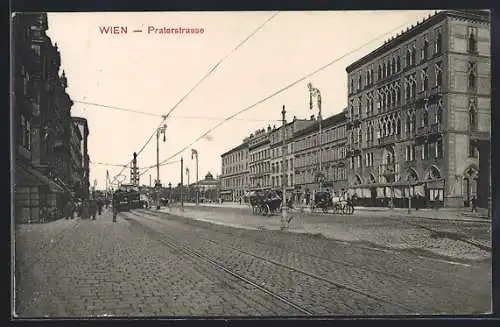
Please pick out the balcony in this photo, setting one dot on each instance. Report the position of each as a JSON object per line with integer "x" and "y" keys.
{"x": 386, "y": 140}
{"x": 434, "y": 129}
{"x": 436, "y": 90}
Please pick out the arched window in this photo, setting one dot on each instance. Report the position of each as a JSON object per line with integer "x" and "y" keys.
{"x": 398, "y": 126}
{"x": 472, "y": 80}
{"x": 408, "y": 57}
{"x": 393, "y": 130}
{"x": 413, "y": 122}
{"x": 393, "y": 66}
{"x": 384, "y": 130}
{"x": 398, "y": 64}
{"x": 425, "y": 118}
{"x": 413, "y": 55}
{"x": 389, "y": 128}
{"x": 384, "y": 72}
{"x": 425, "y": 80}
{"x": 425, "y": 50}
{"x": 439, "y": 40}
{"x": 352, "y": 85}
{"x": 439, "y": 75}
{"x": 379, "y": 72}
{"x": 398, "y": 95}
{"x": 472, "y": 119}
{"x": 408, "y": 89}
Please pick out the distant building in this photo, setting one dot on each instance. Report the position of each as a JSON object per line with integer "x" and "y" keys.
{"x": 259, "y": 165}
{"x": 234, "y": 177}
{"x": 84, "y": 131}
{"x": 284, "y": 172}
{"x": 307, "y": 156}
{"x": 419, "y": 114}
{"x": 209, "y": 188}
{"x": 42, "y": 129}
{"x": 76, "y": 161}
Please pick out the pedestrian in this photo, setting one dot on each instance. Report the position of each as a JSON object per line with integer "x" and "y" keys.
{"x": 68, "y": 210}
{"x": 115, "y": 203}
{"x": 473, "y": 204}
{"x": 99, "y": 206}
{"x": 92, "y": 209}
{"x": 240, "y": 200}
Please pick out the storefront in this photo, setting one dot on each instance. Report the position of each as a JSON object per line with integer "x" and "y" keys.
{"x": 37, "y": 198}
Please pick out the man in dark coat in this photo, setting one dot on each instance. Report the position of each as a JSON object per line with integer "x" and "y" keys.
{"x": 68, "y": 210}
{"x": 92, "y": 209}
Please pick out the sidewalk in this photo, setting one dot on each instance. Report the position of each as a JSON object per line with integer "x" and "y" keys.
{"x": 462, "y": 214}
{"x": 395, "y": 233}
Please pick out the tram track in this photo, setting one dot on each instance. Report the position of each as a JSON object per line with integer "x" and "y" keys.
{"x": 331, "y": 260}
{"x": 192, "y": 253}
{"x": 356, "y": 294}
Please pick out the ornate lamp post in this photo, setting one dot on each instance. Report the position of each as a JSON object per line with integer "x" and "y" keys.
{"x": 194, "y": 154}
{"x": 169, "y": 194}
{"x": 159, "y": 131}
{"x": 314, "y": 92}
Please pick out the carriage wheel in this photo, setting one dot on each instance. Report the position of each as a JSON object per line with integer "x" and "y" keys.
{"x": 265, "y": 210}
{"x": 325, "y": 209}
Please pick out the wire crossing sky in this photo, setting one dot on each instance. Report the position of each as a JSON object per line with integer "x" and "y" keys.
{"x": 129, "y": 79}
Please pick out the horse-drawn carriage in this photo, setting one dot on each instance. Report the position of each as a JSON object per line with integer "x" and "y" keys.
{"x": 339, "y": 205}
{"x": 265, "y": 202}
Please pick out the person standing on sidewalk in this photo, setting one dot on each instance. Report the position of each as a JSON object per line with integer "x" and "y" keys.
{"x": 473, "y": 204}
{"x": 92, "y": 209}
{"x": 68, "y": 210}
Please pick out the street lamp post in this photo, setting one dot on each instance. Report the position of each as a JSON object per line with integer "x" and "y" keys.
{"x": 169, "y": 194}
{"x": 182, "y": 183}
{"x": 194, "y": 153}
{"x": 283, "y": 178}
{"x": 314, "y": 92}
{"x": 159, "y": 131}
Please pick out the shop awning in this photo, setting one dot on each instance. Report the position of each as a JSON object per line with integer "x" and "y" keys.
{"x": 30, "y": 177}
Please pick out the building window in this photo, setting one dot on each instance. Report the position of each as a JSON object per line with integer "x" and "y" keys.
{"x": 359, "y": 82}
{"x": 472, "y": 119}
{"x": 398, "y": 126}
{"x": 472, "y": 150}
{"x": 408, "y": 57}
{"x": 425, "y": 80}
{"x": 413, "y": 86}
{"x": 413, "y": 123}
{"x": 413, "y": 54}
{"x": 393, "y": 65}
{"x": 472, "y": 41}
{"x": 352, "y": 162}
{"x": 439, "y": 148}
{"x": 439, "y": 42}
{"x": 351, "y": 85}
{"x": 439, "y": 75}
{"x": 384, "y": 71}
{"x": 425, "y": 151}
{"x": 398, "y": 64}
{"x": 425, "y": 49}
{"x": 439, "y": 115}
{"x": 379, "y": 74}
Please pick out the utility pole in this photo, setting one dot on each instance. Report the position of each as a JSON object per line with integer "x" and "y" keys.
{"x": 158, "y": 184}
{"x": 284, "y": 221}
{"x": 314, "y": 92}
{"x": 194, "y": 153}
{"x": 182, "y": 183}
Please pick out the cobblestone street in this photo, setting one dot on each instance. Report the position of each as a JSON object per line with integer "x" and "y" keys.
{"x": 150, "y": 263}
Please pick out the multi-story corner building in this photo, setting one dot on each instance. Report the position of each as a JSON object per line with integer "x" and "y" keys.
{"x": 76, "y": 161}
{"x": 419, "y": 114}
{"x": 259, "y": 166}
{"x": 84, "y": 131}
{"x": 333, "y": 152}
{"x": 234, "y": 177}
{"x": 283, "y": 172}
{"x": 41, "y": 122}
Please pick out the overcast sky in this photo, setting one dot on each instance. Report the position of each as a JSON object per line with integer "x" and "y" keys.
{"x": 152, "y": 72}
